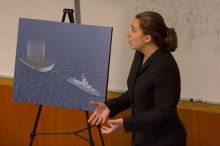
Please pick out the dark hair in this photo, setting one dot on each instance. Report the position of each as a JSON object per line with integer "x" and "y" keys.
{"x": 152, "y": 23}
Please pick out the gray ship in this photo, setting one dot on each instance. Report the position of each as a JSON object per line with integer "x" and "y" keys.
{"x": 83, "y": 85}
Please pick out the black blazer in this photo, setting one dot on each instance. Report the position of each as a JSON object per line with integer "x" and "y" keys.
{"x": 153, "y": 93}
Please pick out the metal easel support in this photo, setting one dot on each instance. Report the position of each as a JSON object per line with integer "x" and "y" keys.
{"x": 76, "y": 133}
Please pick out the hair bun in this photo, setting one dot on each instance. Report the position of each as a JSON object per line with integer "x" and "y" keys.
{"x": 171, "y": 40}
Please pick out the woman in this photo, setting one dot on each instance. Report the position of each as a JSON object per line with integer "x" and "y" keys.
{"x": 153, "y": 87}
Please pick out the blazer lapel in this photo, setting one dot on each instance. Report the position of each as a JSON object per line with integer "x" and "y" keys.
{"x": 134, "y": 69}
{"x": 136, "y": 64}
{"x": 153, "y": 57}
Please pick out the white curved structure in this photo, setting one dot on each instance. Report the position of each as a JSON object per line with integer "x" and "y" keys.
{"x": 36, "y": 57}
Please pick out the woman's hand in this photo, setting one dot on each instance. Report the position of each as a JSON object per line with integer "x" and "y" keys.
{"x": 113, "y": 126}
{"x": 100, "y": 114}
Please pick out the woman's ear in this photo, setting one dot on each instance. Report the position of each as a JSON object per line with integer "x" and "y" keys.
{"x": 147, "y": 38}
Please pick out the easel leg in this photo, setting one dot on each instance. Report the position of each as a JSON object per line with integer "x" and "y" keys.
{"x": 33, "y": 134}
{"x": 100, "y": 134}
{"x": 91, "y": 142}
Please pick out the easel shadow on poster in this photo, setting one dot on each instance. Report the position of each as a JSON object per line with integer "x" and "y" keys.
{"x": 76, "y": 133}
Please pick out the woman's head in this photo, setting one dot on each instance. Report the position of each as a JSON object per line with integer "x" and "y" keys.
{"x": 152, "y": 23}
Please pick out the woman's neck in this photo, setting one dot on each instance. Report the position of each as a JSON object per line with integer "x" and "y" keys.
{"x": 148, "y": 51}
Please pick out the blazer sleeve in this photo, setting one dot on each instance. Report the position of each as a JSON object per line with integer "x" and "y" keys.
{"x": 117, "y": 105}
{"x": 166, "y": 97}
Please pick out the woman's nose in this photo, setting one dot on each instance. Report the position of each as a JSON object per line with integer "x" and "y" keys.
{"x": 127, "y": 34}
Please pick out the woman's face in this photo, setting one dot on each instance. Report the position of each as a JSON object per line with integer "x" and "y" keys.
{"x": 136, "y": 37}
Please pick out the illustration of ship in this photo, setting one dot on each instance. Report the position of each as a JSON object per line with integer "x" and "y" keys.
{"x": 36, "y": 57}
{"x": 83, "y": 85}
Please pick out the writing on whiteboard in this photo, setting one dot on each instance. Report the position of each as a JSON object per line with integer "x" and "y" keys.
{"x": 196, "y": 18}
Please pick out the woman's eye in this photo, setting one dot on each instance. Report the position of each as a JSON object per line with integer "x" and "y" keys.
{"x": 133, "y": 30}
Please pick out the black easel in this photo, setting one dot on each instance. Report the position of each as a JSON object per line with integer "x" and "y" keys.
{"x": 90, "y": 139}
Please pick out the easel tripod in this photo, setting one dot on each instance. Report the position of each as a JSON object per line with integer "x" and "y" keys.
{"x": 76, "y": 133}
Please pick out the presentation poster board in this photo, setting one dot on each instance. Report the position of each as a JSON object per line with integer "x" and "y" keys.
{"x": 61, "y": 64}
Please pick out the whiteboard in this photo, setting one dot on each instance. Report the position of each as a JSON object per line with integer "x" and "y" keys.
{"x": 197, "y": 24}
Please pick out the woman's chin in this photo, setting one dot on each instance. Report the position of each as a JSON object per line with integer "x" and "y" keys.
{"x": 133, "y": 48}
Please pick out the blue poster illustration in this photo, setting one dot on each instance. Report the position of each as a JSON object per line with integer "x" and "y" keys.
{"x": 61, "y": 64}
